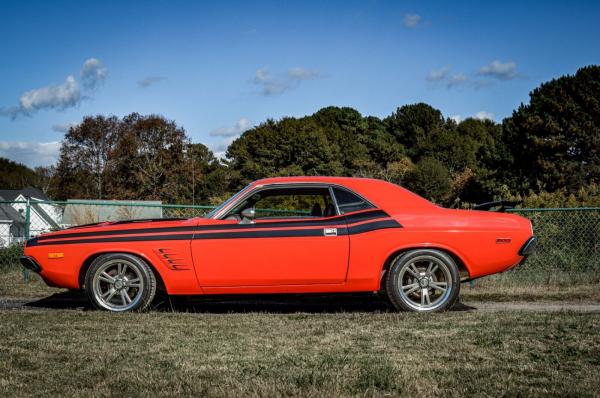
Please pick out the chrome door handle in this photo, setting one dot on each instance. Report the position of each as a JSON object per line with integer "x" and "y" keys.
{"x": 330, "y": 232}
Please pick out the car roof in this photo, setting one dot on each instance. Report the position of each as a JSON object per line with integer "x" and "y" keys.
{"x": 381, "y": 193}
{"x": 301, "y": 179}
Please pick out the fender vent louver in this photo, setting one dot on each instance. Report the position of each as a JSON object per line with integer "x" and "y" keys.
{"x": 172, "y": 259}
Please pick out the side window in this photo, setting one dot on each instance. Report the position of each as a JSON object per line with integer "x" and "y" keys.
{"x": 288, "y": 202}
{"x": 348, "y": 202}
{"x": 289, "y": 205}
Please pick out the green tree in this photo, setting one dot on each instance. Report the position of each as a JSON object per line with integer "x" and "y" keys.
{"x": 430, "y": 179}
{"x": 414, "y": 126}
{"x": 484, "y": 161}
{"x": 206, "y": 178}
{"x": 333, "y": 141}
{"x": 137, "y": 157}
{"x": 149, "y": 159}
{"x": 84, "y": 168}
{"x": 18, "y": 176}
{"x": 556, "y": 137}
{"x": 286, "y": 147}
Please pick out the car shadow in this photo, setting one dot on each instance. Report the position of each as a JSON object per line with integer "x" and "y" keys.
{"x": 275, "y": 303}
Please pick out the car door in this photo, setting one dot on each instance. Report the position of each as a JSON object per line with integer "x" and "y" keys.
{"x": 291, "y": 242}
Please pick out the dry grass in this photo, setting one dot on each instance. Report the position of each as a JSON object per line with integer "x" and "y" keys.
{"x": 254, "y": 354}
{"x": 13, "y": 284}
{"x": 483, "y": 291}
{"x": 553, "y": 285}
{"x": 246, "y": 351}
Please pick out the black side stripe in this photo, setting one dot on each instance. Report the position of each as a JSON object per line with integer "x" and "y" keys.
{"x": 115, "y": 232}
{"x": 276, "y": 233}
{"x": 352, "y": 218}
{"x": 372, "y": 226}
{"x": 369, "y": 215}
{"x": 141, "y": 238}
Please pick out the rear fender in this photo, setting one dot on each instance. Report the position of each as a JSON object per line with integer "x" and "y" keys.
{"x": 458, "y": 257}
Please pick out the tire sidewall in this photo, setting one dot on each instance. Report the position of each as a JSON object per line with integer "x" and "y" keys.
{"x": 148, "y": 279}
{"x": 392, "y": 279}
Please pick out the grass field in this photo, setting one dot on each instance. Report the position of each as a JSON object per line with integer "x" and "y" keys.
{"x": 12, "y": 284}
{"x": 340, "y": 354}
{"x": 299, "y": 349}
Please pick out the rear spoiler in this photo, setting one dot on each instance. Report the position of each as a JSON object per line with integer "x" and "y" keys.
{"x": 502, "y": 205}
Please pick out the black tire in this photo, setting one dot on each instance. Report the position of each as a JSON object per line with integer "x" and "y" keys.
{"x": 136, "y": 283}
{"x": 445, "y": 275}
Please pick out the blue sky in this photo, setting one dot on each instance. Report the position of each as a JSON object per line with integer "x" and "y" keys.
{"x": 217, "y": 68}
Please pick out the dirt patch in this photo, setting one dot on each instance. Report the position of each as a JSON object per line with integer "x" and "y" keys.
{"x": 550, "y": 306}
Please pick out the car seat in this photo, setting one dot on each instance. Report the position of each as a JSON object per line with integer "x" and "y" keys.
{"x": 316, "y": 211}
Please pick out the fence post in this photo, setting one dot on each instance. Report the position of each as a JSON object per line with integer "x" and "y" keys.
{"x": 27, "y": 234}
{"x": 27, "y": 218}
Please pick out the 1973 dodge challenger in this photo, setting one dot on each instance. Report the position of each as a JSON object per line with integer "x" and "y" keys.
{"x": 289, "y": 235}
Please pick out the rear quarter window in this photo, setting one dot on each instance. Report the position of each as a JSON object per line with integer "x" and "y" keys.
{"x": 348, "y": 202}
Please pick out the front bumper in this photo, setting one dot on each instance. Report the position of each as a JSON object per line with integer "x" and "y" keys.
{"x": 30, "y": 263}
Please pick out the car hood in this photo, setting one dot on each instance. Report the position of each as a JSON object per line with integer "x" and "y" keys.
{"x": 131, "y": 226}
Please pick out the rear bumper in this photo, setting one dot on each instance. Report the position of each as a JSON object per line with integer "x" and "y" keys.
{"x": 527, "y": 249}
{"x": 30, "y": 263}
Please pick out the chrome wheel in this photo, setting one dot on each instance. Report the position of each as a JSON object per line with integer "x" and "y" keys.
{"x": 425, "y": 283}
{"x": 118, "y": 285}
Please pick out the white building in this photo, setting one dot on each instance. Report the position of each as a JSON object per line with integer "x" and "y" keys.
{"x": 12, "y": 225}
{"x": 44, "y": 217}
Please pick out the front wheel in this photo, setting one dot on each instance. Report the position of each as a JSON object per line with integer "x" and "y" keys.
{"x": 423, "y": 280}
{"x": 120, "y": 282}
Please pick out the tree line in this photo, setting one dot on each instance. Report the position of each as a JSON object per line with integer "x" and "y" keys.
{"x": 546, "y": 153}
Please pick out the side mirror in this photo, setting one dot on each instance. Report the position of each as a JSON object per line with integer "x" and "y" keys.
{"x": 248, "y": 215}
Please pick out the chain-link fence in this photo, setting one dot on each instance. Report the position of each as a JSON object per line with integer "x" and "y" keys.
{"x": 569, "y": 239}
{"x": 568, "y": 247}
{"x": 21, "y": 220}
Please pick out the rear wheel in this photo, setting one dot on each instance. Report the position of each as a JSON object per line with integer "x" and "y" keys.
{"x": 120, "y": 282}
{"x": 423, "y": 281}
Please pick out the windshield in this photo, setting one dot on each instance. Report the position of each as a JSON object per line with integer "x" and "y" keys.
{"x": 228, "y": 201}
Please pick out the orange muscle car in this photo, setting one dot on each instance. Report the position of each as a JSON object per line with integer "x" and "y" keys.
{"x": 289, "y": 235}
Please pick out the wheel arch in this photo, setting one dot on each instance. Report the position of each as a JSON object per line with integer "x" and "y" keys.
{"x": 460, "y": 262}
{"x": 93, "y": 256}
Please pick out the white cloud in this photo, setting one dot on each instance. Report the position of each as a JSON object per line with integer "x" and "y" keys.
{"x": 30, "y": 153}
{"x": 500, "y": 70}
{"x": 437, "y": 75}
{"x": 457, "y": 118}
{"x": 411, "y": 20}
{"x": 442, "y": 76}
{"x": 269, "y": 84}
{"x": 240, "y": 126}
{"x": 228, "y": 134}
{"x": 302, "y": 74}
{"x": 481, "y": 115}
{"x": 58, "y": 97}
{"x": 262, "y": 75}
{"x": 220, "y": 149}
{"x": 64, "y": 127}
{"x": 149, "y": 81}
{"x": 484, "y": 115}
{"x": 277, "y": 84}
{"x": 93, "y": 73}
{"x": 457, "y": 80}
